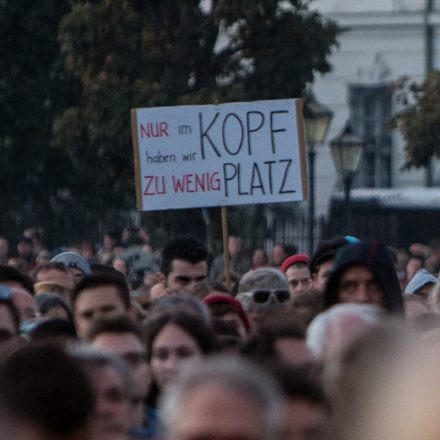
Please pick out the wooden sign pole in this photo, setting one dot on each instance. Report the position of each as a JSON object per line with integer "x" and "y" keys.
{"x": 224, "y": 210}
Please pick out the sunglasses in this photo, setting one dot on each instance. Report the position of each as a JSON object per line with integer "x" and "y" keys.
{"x": 263, "y": 296}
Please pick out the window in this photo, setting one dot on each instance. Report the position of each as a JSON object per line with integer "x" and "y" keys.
{"x": 370, "y": 114}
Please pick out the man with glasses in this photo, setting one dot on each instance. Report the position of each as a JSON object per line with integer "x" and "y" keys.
{"x": 125, "y": 338}
{"x": 263, "y": 292}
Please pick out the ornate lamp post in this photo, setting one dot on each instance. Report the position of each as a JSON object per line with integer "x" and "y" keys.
{"x": 347, "y": 149}
{"x": 317, "y": 119}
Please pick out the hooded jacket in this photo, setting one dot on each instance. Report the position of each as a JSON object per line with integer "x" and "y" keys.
{"x": 375, "y": 257}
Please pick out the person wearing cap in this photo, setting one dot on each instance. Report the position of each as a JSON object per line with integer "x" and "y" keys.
{"x": 296, "y": 268}
{"x": 364, "y": 273}
{"x": 421, "y": 283}
{"x": 75, "y": 263}
{"x": 322, "y": 260}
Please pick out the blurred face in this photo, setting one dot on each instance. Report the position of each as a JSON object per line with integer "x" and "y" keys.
{"x": 321, "y": 277}
{"x": 111, "y": 419}
{"x": 233, "y": 320}
{"x": 63, "y": 279}
{"x": 98, "y": 302}
{"x": 25, "y": 303}
{"x": 299, "y": 278}
{"x": 234, "y": 245}
{"x": 303, "y": 420}
{"x": 120, "y": 265}
{"x": 8, "y": 331}
{"x": 172, "y": 350}
{"x": 130, "y": 348}
{"x": 413, "y": 265}
{"x": 293, "y": 351}
{"x": 213, "y": 412}
{"x": 184, "y": 275}
{"x": 278, "y": 255}
{"x": 358, "y": 286}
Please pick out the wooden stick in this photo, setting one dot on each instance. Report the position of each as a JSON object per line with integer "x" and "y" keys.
{"x": 225, "y": 245}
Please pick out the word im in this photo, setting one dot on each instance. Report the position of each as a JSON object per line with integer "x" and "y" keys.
{"x": 154, "y": 129}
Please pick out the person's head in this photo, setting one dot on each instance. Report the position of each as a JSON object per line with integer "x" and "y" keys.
{"x": 234, "y": 245}
{"x": 180, "y": 303}
{"x": 184, "y": 263}
{"x": 9, "y": 319}
{"x": 25, "y": 248}
{"x": 75, "y": 263}
{"x": 223, "y": 398}
{"x": 321, "y": 262}
{"x": 14, "y": 278}
{"x": 263, "y": 291}
{"x": 25, "y": 303}
{"x": 280, "y": 339}
{"x": 307, "y": 304}
{"x": 421, "y": 284}
{"x": 414, "y": 306}
{"x": 55, "y": 272}
{"x": 113, "y": 389}
{"x": 209, "y": 287}
{"x": 98, "y": 296}
{"x": 278, "y": 255}
{"x": 120, "y": 265}
{"x": 259, "y": 258}
{"x": 175, "y": 340}
{"x": 226, "y": 308}
{"x": 44, "y": 394}
{"x": 415, "y": 262}
{"x": 4, "y": 247}
{"x": 336, "y": 327}
{"x": 53, "y": 306}
{"x": 307, "y": 411}
{"x": 125, "y": 338}
{"x": 296, "y": 268}
{"x": 43, "y": 257}
{"x": 364, "y": 273}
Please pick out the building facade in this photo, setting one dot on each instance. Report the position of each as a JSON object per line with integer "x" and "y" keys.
{"x": 382, "y": 41}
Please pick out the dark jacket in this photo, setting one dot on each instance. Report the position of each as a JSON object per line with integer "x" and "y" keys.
{"x": 376, "y": 257}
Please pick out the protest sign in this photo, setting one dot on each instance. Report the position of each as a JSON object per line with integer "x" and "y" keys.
{"x": 219, "y": 155}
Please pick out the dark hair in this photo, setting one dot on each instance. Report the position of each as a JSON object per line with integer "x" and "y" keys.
{"x": 297, "y": 385}
{"x": 8, "y": 273}
{"x": 202, "y": 289}
{"x": 50, "y": 330}
{"x": 98, "y": 280}
{"x": 189, "y": 323}
{"x": 116, "y": 325}
{"x": 47, "y": 301}
{"x": 104, "y": 269}
{"x": 182, "y": 247}
{"x": 43, "y": 385}
{"x": 419, "y": 257}
{"x": 15, "y": 314}
{"x": 261, "y": 346}
{"x": 49, "y": 266}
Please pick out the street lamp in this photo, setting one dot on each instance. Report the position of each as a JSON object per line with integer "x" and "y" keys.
{"x": 317, "y": 119}
{"x": 346, "y": 149}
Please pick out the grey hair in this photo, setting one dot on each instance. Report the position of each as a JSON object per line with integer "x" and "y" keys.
{"x": 262, "y": 278}
{"x": 92, "y": 359}
{"x": 233, "y": 373}
{"x": 183, "y": 302}
{"x": 318, "y": 332}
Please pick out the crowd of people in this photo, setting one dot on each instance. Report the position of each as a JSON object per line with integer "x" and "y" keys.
{"x": 125, "y": 341}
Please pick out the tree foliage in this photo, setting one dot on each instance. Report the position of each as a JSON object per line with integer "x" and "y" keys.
{"x": 34, "y": 88}
{"x": 419, "y": 119}
{"x": 71, "y": 70}
{"x": 148, "y": 53}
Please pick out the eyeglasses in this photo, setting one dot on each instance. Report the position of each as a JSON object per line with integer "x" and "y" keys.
{"x": 263, "y": 296}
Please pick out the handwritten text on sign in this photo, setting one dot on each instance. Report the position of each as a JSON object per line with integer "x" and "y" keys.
{"x": 213, "y": 155}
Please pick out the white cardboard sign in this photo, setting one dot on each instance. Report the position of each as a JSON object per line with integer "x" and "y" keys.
{"x": 219, "y": 155}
